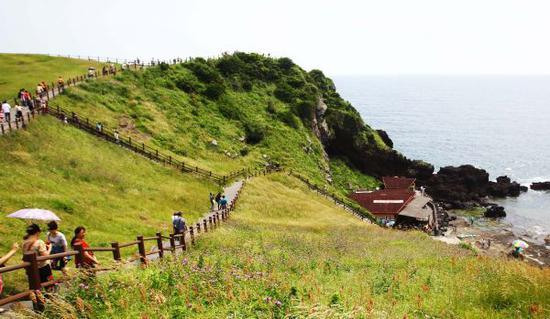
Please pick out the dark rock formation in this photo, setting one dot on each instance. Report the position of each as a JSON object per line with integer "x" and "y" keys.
{"x": 504, "y": 187}
{"x": 465, "y": 186}
{"x": 541, "y": 186}
{"x": 495, "y": 211}
{"x": 385, "y": 137}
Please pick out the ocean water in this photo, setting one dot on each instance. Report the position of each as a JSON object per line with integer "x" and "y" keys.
{"x": 499, "y": 123}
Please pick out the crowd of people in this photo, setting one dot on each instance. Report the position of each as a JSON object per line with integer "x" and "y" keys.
{"x": 55, "y": 242}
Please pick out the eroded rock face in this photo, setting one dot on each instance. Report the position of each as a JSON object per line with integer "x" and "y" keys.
{"x": 540, "y": 186}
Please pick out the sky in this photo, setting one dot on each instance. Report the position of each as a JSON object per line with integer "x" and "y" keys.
{"x": 339, "y": 37}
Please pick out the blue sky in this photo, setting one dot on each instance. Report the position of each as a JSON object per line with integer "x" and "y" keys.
{"x": 339, "y": 37}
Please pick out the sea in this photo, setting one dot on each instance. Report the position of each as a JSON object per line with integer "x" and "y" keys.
{"x": 500, "y": 123}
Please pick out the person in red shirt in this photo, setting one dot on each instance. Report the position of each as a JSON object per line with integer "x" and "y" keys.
{"x": 89, "y": 260}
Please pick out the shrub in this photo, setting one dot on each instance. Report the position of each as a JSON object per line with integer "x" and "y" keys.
{"x": 289, "y": 119}
{"x": 204, "y": 72}
{"x": 214, "y": 90}
{"x": 247, "y": 85}
{"x": 244, "y": 151}
{"x": 305, "y": 109}
{"x": 188, "y": 83}
{"x": 255, "y": 132}
{"x": 164, "y": 67}
{"x": 284, "y": 92}
{"x": 229, "y": 64}
{"x": 228, "y": 109}
{"x": 285, "y": 63}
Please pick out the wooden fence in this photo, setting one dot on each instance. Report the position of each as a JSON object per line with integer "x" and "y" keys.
{"x": 176, "y": 242}
{"x": 355, "y": 209}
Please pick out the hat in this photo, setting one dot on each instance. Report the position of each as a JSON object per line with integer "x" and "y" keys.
{"x": 177, "y": 214}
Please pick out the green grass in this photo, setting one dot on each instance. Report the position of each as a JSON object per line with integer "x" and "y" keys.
{"x": 115, "y": 194}
{"x": 27, "y": 70}
{"x": 347, "y": 180}
{"x": 286, "y": 253}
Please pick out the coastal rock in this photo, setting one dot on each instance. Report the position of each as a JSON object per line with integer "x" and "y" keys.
{"x": 385, "y": 137}
{"x": 456, "y": 185}
{"x": 504, "y": 187}
{"x": 495, "y": 211}
{"x": 540, "y": 186}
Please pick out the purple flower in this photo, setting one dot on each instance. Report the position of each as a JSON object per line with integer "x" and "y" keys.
{"x": 278, "y": 303}
{"x": 267, "y": 299}
{"x": 184, "y": 261}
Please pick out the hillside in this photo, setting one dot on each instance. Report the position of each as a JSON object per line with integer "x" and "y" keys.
{"x": 117, "y": 195}
{"x": 289, "y": 253}
{"x": 27, "y": 70}
{"x": 244, "y": 110}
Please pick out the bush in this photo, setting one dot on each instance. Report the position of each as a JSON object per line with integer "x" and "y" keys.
{"x": 284, "y": 92}
{"x": 285, "y": 63}
{"x": 228, "y": 110}
{"x": 204, "y": 72}
{"x": 214, "y": 90}
{"x": 305, "y": 109}
{"x": 290, "y": 119}
{"x": 255, "y": 132}
{"x": 244, "y": 151}
{"x": 247, "y": 85}
{"x": 188, "y": 83}
{"x": 164, "y": 67}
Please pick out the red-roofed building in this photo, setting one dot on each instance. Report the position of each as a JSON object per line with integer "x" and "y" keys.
{"x": 390, "y": 201}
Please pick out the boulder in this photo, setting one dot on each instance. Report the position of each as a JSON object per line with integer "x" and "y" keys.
{"x": 458, "y": 185}
{"x": 540, "y": 186}
{"x": 504, "y": 187}
{"x": 495, "y": 211}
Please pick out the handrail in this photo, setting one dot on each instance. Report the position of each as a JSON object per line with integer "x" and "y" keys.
{"x": 124, "y": 245}
{"x": 98, "y": 249}
{"x": 14, "y": 267}
{"x": 58, "y": 255}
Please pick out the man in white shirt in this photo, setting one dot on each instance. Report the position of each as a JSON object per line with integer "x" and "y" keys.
{"x": 6, "y": 109}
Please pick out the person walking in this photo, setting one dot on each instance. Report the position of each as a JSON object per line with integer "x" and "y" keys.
{"x": 4, "y": 259}
{"x": 223, "y": 202}
{"x": 178, "y": 222}
{"x": 212, "y": 201}
{"x": 218, "y": 198}
{"x": 60, "y": 84}
{"x": 59, "y": 245}
{"x": 88, "y": 260}
{"x": 33, "y": 244}
{"x": 18, "y": 113}
{"x": 6, "y": 109}
{"x": 117, "y": 137}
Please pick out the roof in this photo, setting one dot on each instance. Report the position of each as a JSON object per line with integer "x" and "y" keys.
{"x": 386, "y": 201}
{"x": 417, "y": 208}
{"x": 397, "y": 182}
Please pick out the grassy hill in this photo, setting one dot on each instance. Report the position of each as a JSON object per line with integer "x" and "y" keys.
{"x": 287, "y": 253}
{"x": 26, "y": 70}
{"x": 115, "y": 194}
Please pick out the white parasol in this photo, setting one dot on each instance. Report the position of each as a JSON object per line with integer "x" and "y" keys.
{"x": 35, "y": 214}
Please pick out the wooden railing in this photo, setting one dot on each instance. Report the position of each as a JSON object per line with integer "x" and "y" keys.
{"x": 347, "y": 204}
{"x": 175, "y": 243}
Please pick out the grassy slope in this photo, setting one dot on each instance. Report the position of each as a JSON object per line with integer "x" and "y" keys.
{"x": 186, "y": 124}
{"x": 26, "y": 70}
{"x": 285, "y": 244}
{"x": 115, "y": 194}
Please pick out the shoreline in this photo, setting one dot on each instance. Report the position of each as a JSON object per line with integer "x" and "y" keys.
{"x": 478, "y": 232}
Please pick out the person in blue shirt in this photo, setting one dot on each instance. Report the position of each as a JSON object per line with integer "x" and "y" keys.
{"x": 179, "y": 223}
{"x": 223, "y": 202}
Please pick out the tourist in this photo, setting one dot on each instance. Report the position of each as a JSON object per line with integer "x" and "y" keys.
{"x": 60, "y": 83}
{"x": 218, "y": 198}
{"x": 6, "y": 109}
{"x": 33, "y": 244}
{"x": 178, "y": 222}
{"x": 59, "y": 245}
{"x": 39, "y": 89}
{"x": 18, "y": 113}
{"x": 117, "y": 137}
{"x": 99, "y": 127}
{"x": 88, "y": 260}
{"x": 223, "y": 202}
{"x": 4, "y": 259}
{"x": 422, "y": 190}
{"x": 212, "y": 201}
{"x": 104, "y": 70}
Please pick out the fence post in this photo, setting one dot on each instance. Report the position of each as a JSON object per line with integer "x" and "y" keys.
{"x": 159, "y": 245}
{"x": 170, "y": 160}
{"x": 192, "y": 235}
{"x": 116, "y": 251}
{"x": 2, "y": 127}
{"x": 205, "y": 225}
{"x": 143, "y": 147}
{"x": 141, "y": 249}
{"x": 33, "y": 275}
{"x": 172, "y": 243}
{"x": 198, "y": 228}
{"x": 182, "y": 241}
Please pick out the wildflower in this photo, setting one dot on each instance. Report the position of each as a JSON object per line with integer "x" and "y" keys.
{"x": 267, "y": 299}
{"x": 184, "y": 261}
{"x": 278, "y": 303}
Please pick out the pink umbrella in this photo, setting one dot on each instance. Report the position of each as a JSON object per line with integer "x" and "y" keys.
{"x": 34, "y": 214}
